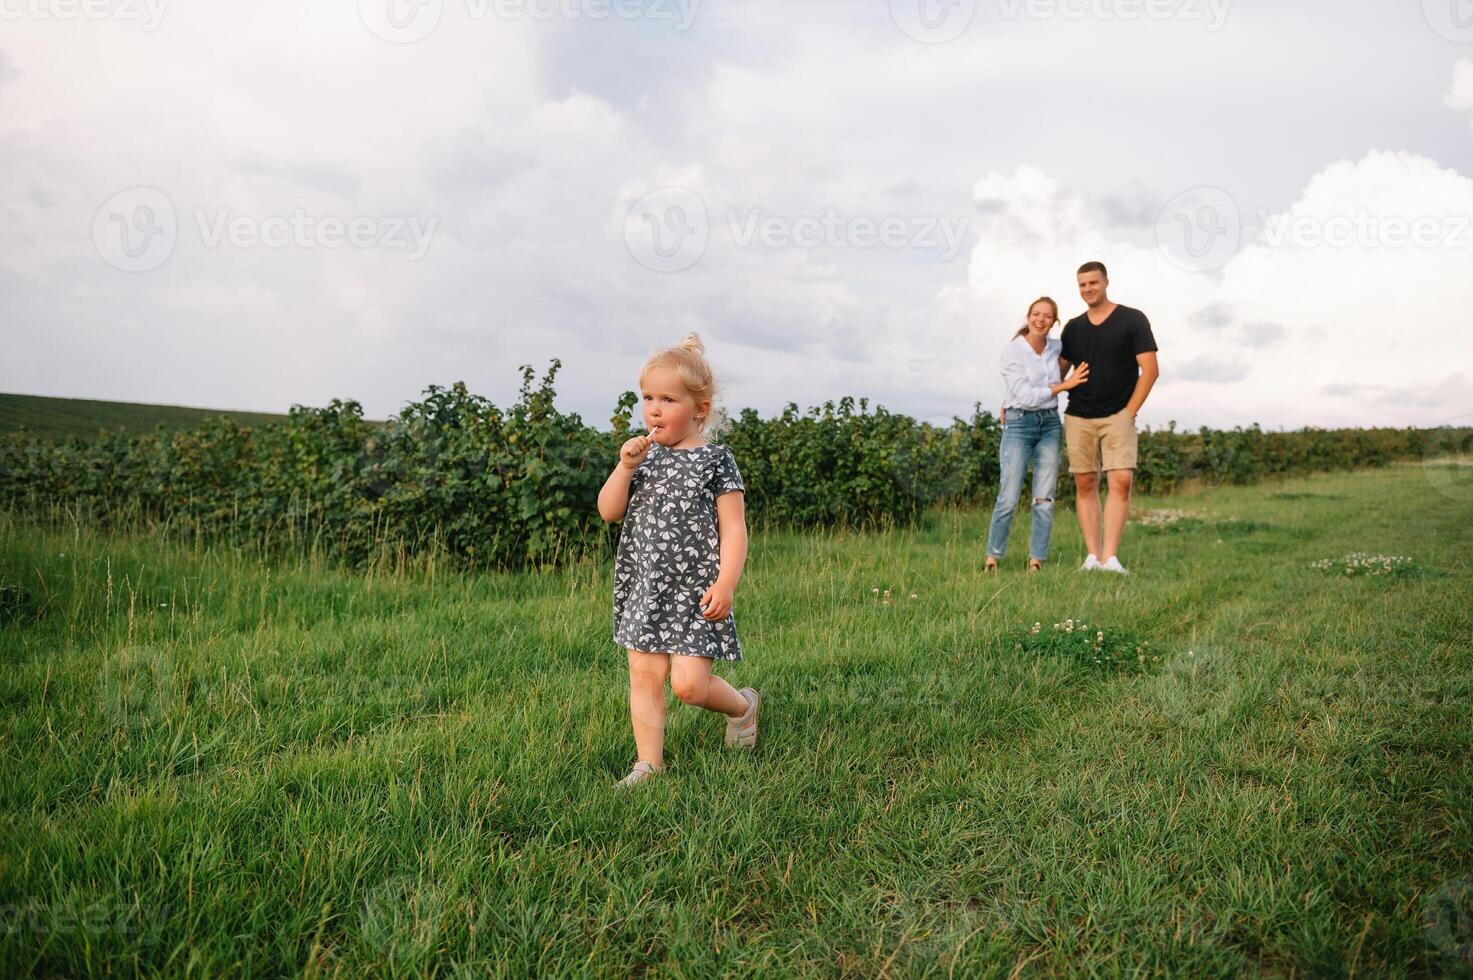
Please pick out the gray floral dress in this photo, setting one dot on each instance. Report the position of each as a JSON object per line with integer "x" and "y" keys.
{"x": 670, "y": 553}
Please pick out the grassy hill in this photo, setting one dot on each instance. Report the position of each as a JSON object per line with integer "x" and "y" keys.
{"x": 285, "y": 768}
{"x": 57, "y": 418}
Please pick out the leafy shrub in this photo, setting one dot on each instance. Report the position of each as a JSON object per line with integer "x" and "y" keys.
{"x": 454, "y": 475}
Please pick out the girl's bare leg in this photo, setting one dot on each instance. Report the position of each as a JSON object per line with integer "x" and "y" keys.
{"x": 647, "y": 704}
{"x": 692, "y": 681}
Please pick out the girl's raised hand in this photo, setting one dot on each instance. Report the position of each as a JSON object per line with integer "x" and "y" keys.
{"x": 633, "y": 452}
{"x": 1079, "y": 376}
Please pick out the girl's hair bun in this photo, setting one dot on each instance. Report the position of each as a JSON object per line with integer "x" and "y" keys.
{"x": 688, "y": 358}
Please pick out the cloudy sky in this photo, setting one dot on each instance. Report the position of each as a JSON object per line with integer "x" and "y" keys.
{"x": 254, "y": 206}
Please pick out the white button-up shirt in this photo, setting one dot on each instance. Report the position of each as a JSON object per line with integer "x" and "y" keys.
{"x": 1026, "y": 376}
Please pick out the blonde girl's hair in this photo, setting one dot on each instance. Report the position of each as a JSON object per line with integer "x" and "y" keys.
{"x": 688, "y": 358}
{"x": 1023, "y": 330}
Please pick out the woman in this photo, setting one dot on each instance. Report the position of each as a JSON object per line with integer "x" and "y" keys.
{"x": 1031, "y": 430}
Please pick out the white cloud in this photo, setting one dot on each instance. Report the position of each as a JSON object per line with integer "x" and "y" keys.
{"x": 1380, "y": 312}
{"x": 1212, "y": 370}
{"x": 527, "y": 140}
{"x": 1460, "y": 96}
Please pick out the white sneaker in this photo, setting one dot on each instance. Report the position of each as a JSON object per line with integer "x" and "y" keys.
{"x": 642, "y": 773}
{"x": 1091, "y": 564}
{"x": 742, "y": 732}
{"x": 1112, "y": 564}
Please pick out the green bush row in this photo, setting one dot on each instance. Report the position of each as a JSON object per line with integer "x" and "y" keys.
{"x": 454, "y": 475}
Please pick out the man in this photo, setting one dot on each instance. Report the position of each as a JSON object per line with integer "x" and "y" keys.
{"x": 1099, "y": 424}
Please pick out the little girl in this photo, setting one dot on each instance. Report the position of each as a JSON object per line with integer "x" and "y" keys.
{"x": 680, "y": 556}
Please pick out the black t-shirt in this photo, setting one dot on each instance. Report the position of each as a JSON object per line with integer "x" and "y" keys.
{"x": 1109, "y": 349}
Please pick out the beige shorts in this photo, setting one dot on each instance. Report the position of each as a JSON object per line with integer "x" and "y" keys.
{"x": 1100, "y": 444}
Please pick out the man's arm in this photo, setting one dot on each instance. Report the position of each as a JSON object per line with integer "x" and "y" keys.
{"x": 1150, "y": 371}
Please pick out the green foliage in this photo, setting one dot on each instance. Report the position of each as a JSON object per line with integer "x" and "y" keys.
{"x": 1242, "y": 456}
{"x": 1076, "y": 642}
{"x": 454, "y": 475}
{"x": 834, "y": 466}
{"x": 56, "y": 418}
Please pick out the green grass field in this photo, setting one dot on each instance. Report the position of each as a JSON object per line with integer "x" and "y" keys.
{"x": 57, "y": 418}
{"x": 217, "y": 763}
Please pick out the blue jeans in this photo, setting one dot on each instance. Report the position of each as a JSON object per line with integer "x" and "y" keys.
{"x": 1028, "y": 436}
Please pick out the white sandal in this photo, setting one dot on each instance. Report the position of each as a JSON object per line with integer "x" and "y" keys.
{"x": 742, "y": 732}
{"x": 642, "y": 773}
